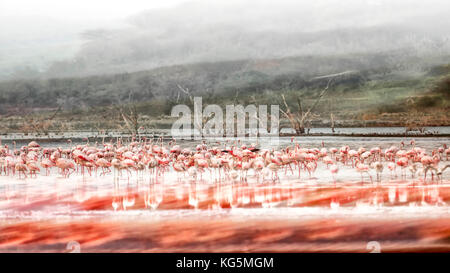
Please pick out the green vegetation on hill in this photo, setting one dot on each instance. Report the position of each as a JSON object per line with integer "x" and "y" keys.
{"x": 375, "y": 95}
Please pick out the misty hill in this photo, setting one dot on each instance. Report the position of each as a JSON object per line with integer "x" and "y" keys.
{"x": 362, "y": 94}
{"x": 216, "y": 31}
{"x": 210, "y": 79}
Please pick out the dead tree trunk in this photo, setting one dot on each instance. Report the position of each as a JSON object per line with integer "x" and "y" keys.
{"x": 300, "y": 118}
{"x": 332, "y": 122}
{"x": 131, "y": 119}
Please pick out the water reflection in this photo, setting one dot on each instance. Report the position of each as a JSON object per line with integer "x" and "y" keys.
{"x": 134, "y": 195}
{"x": 155, "y": 195}
{"x": 233, "y": 195}
{"x": 212, "y": 215}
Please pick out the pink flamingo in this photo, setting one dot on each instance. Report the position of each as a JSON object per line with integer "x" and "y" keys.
{"x": 33, "y": 168}
{"x": 391, "y": 166}
{"x": 65, "y": 166}
{"x": 363, "y": 168}
{"x": 403, "y": 163}
{"x": 334, "y": 170}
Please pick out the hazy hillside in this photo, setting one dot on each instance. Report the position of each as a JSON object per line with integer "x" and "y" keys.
{"x": 364, "y": 95}
{"x": 243, "y": 76}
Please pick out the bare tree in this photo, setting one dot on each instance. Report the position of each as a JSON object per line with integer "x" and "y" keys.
{"x": 300, "y": 118}
{"x": 187, "y": 92}
{"x": 130, "y": 115}
{"x": 332, "y": 122}
{"x": 415, "y": 119}
{"x": 39, "y": 124}
{"x": 131, "y": 118}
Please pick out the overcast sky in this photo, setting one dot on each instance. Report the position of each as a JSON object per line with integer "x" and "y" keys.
{"x": 77, "y": 10}
{"x": 92, "y": 11}
{"x": 39, "y": 32}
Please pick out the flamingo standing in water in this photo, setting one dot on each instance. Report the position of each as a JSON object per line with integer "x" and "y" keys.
{"x": 258, "y": 165}
{"x": 427, "y": 161}
{"x": 152, "y": 165}
{"x": 104, "y": 164}
{"x": 378, "y": 166}
{"x": 352, "y": 154}
{"x": 274, "y": 167}
{"x": 65, "y": 166}
{"x": 47, "y": 164}
{"x": 33, "y": 168}
{"x": 201, "y": 164}
{"x": 311, "y": 168}
{"x": 21, "y": 168}
{"x": 3, "y": 165}
{"x": 413, "y": 169}
{"x": 333, "y": 152}
{"x": 236, "y": 162}
{"x": 179, "y": 167}
{"x": 391, "y": 166}
{"x": 363, "y": 168}
{"x": 327, "y": 160}
{"x": 437, "y": 171}
{"x": 334, "y": 170}
{"x": 192, "y": 171}
{"x": 128, "y": 164}
{"x": 403, "y": 163}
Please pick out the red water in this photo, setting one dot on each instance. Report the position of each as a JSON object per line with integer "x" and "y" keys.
{"x": 139, "y": 216}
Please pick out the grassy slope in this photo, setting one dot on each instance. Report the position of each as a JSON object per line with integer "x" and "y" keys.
{"x": 365, "y": 98}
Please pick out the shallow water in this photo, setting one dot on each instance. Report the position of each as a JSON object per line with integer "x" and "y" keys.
{"x": 281, "y": 142}
{"x": 313, "y": 213}
{"x": 379, "y": 130}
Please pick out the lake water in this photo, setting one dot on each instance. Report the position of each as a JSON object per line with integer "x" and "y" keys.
{"x": 394, "y": 131}
{"x": 144, "y": 212}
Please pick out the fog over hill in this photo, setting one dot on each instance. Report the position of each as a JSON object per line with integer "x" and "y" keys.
{"x": 212, "y": 31}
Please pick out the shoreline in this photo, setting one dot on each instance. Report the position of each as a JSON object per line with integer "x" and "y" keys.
{"x": 100, "y": 137}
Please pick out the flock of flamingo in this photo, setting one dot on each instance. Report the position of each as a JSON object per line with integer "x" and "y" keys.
{"x": 230, "y": 160}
